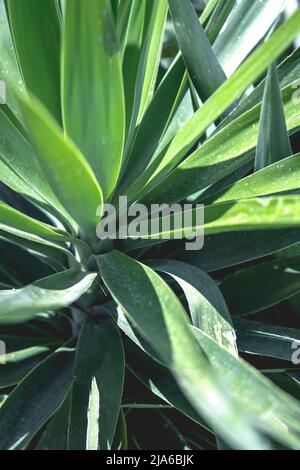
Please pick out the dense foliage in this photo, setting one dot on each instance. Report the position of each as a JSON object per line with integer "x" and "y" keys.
{"x": 115, "y": 344}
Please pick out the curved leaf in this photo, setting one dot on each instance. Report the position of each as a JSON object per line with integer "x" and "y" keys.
{"x": 20, "y": 158}
{"x": 55, "y": 435}
{"x": 207, "y": 307}
{"x": 68, "y": 174}
{"x": 160, "y": 318}
{"x": 10, "y": 218}
{"x": 41, "y": 76}
{"x": 276, "y": 413}
{"x": 48, "y": 294}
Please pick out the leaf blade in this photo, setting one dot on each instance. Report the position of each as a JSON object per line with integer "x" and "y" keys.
{"x": 91, "y": 60}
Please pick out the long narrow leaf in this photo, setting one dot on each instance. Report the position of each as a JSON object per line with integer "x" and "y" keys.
{"x": 41, "y": 75}
{"x": 205, "y": 72}
{"x": 97, "y": 391}
{"x": 93, "y": 112}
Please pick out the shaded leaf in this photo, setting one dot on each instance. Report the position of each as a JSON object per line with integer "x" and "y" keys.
{"x": 97, "y": 391}
{"x": 272, "y": 283}
{"x": 35, "y": 400}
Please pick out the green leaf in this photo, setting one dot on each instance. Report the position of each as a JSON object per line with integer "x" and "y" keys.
{"x": 55, "y": 435}
{"x": 9, "y": 69}
{"x": 93, "y": 112}
{"x": 97, "y": 391}
{"x": 53, "y": 254}
{"x": 287, "y": 381}
{"x": 242, "y": 215}
{"x": 20, "y": 158}
{"x": 14, "y": 182}
{"x": 272, "y": 283}
{"x": 155, "y": 122}
{"x": 251, "y": 214}
{"x": 160, "y": 318}
{"x": 125, "y": 12}
{"x": 35, "y": 400}
{"x": 23, "y": 354}
{"x": 149, "y": 62}
{"x": 11, "y": 219}
{"x": 70, "y": 177}
{"x": 137, "y": 27}
{"x": 275, "y": 413}
{"x": 218, "y": 18}
{"x": 287, "y": 71}
{"x": 207, "y": 307}
{"x": 225, "y": 152}
{"x": 214, "y": 107}
{"x": 279, "y": 177}
{"x": 48, "y": 294}
{"x": 229, "y": 249}
{"x": 273, "y": 140}
{"x": 266, "y": 340}
{"x": 38, "y": 51}
{"x": 246, "y": 27}
{"x": 204, "y": 70}
{"x": 208, "y": 10}
{"x": 159, "y": 381}
{"x": 13, "y": 373}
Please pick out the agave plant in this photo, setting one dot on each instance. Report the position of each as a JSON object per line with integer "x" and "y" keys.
{"x": 99, "y": 335}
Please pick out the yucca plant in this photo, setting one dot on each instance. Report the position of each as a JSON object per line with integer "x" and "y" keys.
{"x": 103, "y": 336}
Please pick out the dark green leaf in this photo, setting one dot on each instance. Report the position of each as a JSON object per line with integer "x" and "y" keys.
{"x": 273, "y": 140}
{"x": 97, "y": 391}
{"x": 204, "y": 70}
{"x": 272, "y": 283}
{"x": 35, "y": 400}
